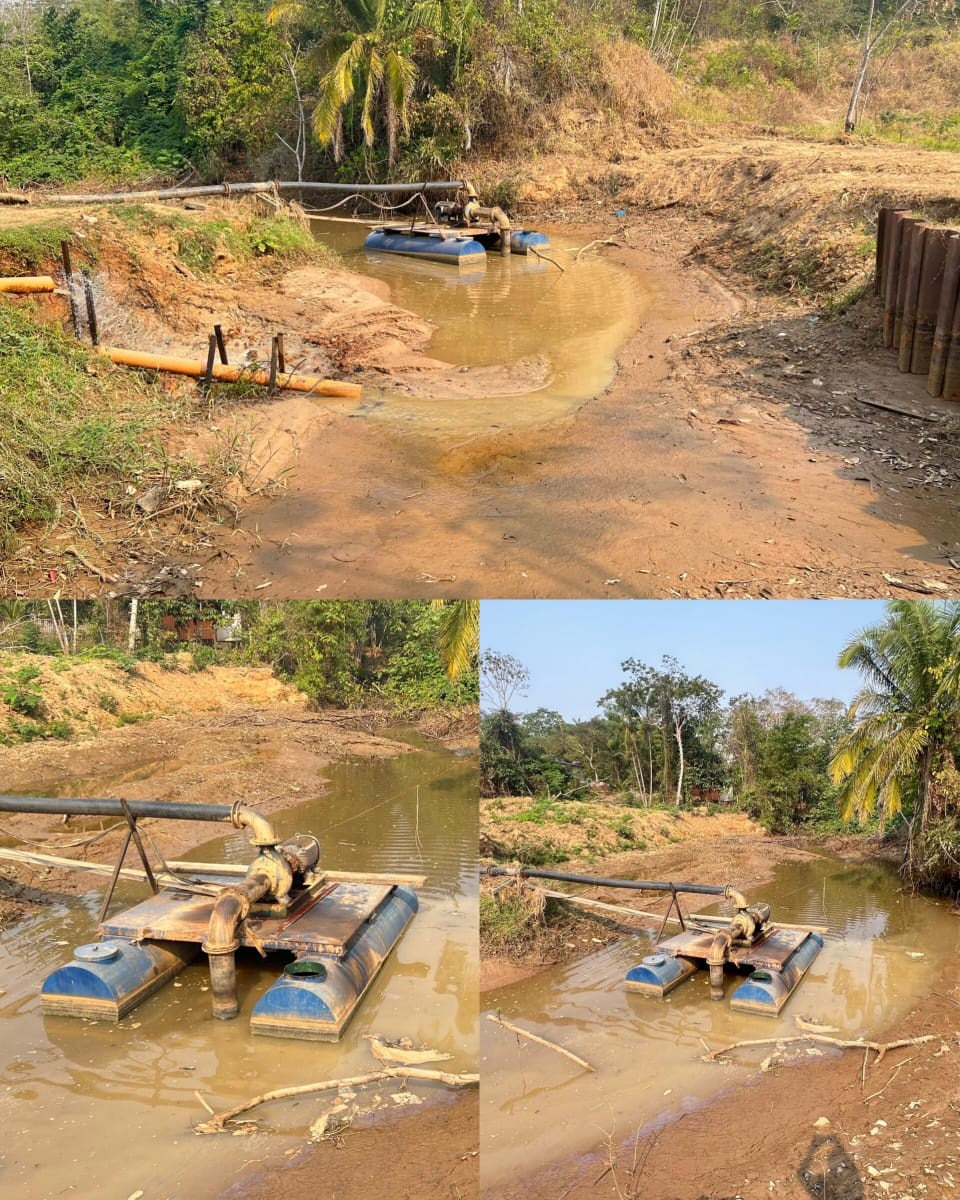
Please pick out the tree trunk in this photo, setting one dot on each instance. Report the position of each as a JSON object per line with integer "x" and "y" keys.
{"x": 132, "y": 630}
{"x": 678, "y": 728}
{"x": 850, "y": 123}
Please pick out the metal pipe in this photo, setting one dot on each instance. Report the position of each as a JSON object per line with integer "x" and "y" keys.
{"x": 241, "y": 817}
{"x": 247, "y": 189}
{"x": 636, "y": 885}
{"x": 312, "y": 384}
{"x": 24, "y": 284}
{"x": 716, "y": 959}
{"x": 222, "y": 941}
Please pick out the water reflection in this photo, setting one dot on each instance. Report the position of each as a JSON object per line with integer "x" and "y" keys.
{"x": 880, "y": 956}
{"x": 89, "y": 1081}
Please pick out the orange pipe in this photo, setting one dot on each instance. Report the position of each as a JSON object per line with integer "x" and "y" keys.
{"x": 27, "y": 283}
{"x": 231, "y": 374}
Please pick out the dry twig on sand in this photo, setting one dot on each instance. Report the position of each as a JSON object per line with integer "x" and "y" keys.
{"x": 881, "y": 1048}
{"x": 218, "y": 1121}
{"x": 532, "y": 1037}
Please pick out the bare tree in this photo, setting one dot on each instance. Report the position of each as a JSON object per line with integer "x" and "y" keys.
{"x": 871, "y": 40}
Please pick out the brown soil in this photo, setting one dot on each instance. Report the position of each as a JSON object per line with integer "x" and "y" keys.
{"x": 220, "y": 735}
{"x": 725, "y": 459}
{"x": 432, "y": 1155}
{"x": 818, "y": 1130}
{"x": 894, "y": 1125}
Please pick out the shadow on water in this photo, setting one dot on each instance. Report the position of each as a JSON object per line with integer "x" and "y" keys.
{"x": 101, "y": 1109}
{"x": 883, "y": 951}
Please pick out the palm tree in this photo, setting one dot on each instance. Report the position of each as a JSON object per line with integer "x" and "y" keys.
{"x": 458, "y": 634}
{"x": 369, "y": 56}
{"x": 906, "y": 717}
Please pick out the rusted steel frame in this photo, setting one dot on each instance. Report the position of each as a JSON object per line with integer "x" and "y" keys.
{"x": 115, "y": 876}
{"x": 951, "y": 374}
{"x": 910, "y": 259}
{"x": 949, "y": 298}
{"x": 221, "y": 344}
{"x": 135, "y": 833}
{"x": 897, "y": 224}
{"x": 68, "y": 276}
{"x": 930, "y": 288}
{"x": 885, "y": 222}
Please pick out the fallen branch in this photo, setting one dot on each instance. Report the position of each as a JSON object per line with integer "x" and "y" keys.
{"x": 218, "y": 1121}
{"x": 881, "y": 1048}
{"x": 533, "y": 1037}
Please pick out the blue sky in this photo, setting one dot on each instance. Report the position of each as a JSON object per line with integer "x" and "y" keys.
{"x": 573, "y": 648}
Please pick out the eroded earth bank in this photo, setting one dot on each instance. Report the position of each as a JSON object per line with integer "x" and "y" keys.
{"x": 719, "y": 419}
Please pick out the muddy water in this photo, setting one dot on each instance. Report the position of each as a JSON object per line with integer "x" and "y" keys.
{"x": 106, "y": 1110}
{"x": 881, "y": 956}
{"x": 517, "y": 309}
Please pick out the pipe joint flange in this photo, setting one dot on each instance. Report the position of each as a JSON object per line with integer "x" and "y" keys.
{"x": 212, "y": 951}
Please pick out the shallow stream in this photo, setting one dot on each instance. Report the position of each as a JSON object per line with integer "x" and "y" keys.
{"x": 96, "y": 1109}
{"x": 516, "y": 308}
{"x": 882, "y": 954}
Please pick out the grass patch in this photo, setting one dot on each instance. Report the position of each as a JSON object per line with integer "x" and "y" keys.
{"x": 65, "y": 420}
{"x": 26, "y": 249}
{"x": 246, "y": 237}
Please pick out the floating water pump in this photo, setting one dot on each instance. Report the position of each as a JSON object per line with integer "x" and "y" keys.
{"x": 340, "y": 928}
{"x": 779, "y": 955}
{"x": 463, "y": 232}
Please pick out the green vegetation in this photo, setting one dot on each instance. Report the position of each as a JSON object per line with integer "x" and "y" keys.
{"x": 64, "y": 420}
{"x": 123, "y": 89}
{"x": 667, "y": 741}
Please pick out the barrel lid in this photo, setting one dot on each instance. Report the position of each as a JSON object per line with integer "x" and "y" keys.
{"x": 655, "y": 960}
{"x": 97, "y": 952}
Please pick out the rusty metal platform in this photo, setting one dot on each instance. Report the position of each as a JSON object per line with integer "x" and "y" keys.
{"x": 770, "y": 953}
{"x": 325, "y": 918}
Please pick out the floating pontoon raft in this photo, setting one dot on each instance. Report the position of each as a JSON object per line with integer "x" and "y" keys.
{"x": 339, "y": 929}
{"x": 778, "y": 956}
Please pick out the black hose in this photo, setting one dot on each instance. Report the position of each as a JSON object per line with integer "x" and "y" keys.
{"x": 76, "y": 807}
{"x": 636, "y": 885}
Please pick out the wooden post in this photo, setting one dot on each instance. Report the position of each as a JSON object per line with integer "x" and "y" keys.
{"x": 274, "y": 357}
{"x": 281, "y": 356}
{"x": 68, "y": 274}
{"x": 211, "y": 355}
{"x": 221, "y": 344}
{"x": 91, "y": 308}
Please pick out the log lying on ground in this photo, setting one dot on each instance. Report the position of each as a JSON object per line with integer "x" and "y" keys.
{"x": 881, "y": 1048}
{"x": 24, "y": 284}
{"x": 541, "y": 1041}
{"x": 218, "y": 1121}
{"x": 223, "y": 373}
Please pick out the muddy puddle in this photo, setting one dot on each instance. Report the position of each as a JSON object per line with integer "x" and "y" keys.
{"x": 562, "y": 327}
{"x": 106, "y": 1110}
{"x": 881, "y": 956}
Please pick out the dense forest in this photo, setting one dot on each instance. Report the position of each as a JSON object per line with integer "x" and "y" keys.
{"x": 405, "y": 655}
{"x": 665, "y": 737}
{"x": 125, "y": 89}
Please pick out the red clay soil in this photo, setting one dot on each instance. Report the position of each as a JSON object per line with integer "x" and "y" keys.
{"x": 430, "y": 1155}
{"x": 824, "y": 1130}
